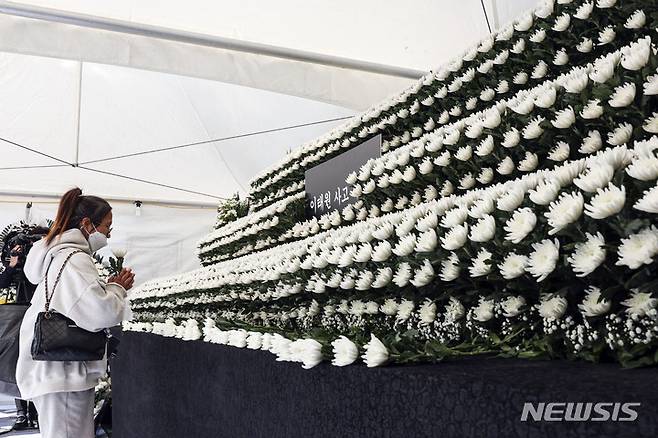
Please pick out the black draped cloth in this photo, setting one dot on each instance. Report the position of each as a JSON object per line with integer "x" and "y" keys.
{"x": 164, "y": 387}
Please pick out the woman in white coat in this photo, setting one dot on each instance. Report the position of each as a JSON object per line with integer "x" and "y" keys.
{"x": 63, "y": 392}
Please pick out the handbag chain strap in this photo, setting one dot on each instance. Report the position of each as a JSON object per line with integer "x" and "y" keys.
{"x": 49, "y": 298}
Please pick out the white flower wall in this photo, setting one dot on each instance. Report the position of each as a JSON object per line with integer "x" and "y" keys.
{"x": 512, "y": 212}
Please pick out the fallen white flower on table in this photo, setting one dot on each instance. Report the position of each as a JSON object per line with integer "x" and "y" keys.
{"x": 345, "y": 352}
{"x": 376, "y": 353}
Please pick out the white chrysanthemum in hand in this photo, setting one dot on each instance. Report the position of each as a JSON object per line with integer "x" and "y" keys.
{"x": 621, "y": 134}
{"x": 564, "y": 211}
{"x": 484, "y": 311}
{"x": 345, "y": 352}
{"x": 543, "y": 259}
{"x": 643, "y": 168}
{"x": 512, "y": 306}
{"x": 560, "y": 152}
{"x": 651, "y": 124}
{"x": 513, "y": 266}
{"x": 484, "y": 229}
{"x": 606, "y": 202}
{"x": 521, "y": 223}
{"x": 622, "y": 96}
{"x": 588, "y": 255}
{"x": 597, "y": 176}
{"x": 593, "y": 304}
{"x": 545, "y": 192}
{"x": 376, "y": 353}
{"x": 639, "y": 303}
{"x": 638, "y": 249}
{"x": 481, "y": 264}
{"x": 649, "y": 201}
{"x": 450, "y": 268}
{"x": 424, "y": 275}
{"x": 552, "y": 308}
{"x": 591, "y": 143}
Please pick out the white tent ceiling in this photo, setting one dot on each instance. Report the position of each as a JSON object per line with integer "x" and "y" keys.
{"x": 84, "y": 82}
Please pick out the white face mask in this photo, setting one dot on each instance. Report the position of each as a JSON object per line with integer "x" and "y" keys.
{"x": 97, "y": 240}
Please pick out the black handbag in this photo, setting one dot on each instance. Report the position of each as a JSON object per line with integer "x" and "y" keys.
{"x": 57, "y": 338}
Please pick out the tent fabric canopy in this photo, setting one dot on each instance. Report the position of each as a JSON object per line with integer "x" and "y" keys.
{"x": 86, "y": 106}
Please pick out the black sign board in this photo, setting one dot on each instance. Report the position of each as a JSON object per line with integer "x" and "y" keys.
{"x": 326, "y": 189}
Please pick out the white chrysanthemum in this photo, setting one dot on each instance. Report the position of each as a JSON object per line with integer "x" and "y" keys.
{"x": 538, "y": 36}
{"x": 389, "y": 307}
{"x": 454, "y": 216}
{"x": 512, "y": 306}
{"x": 382, "y": 251}
{"x": 345, "y": 352}
{"x": 552, "y": 308}
{"x": 484, "y": 311}
{"x": 522, "y": 222}
{"x": 513, "y": 266}
{"x": 539, "y": 71}
{"x": 593, "y": 304}
{"x": 566, "y": 210}
{"x": 637, "y": 55}
{"x": 649, "y": 201}
{"x": 606, "y": 202}
{"x": 604, "y": 4}
{"x": 484, "y": 229}
{"x": 638, "y": 249}
{"x": 597, "y": 176}
{"x": 427, "y": 312}
{"x": 511, "y": 138}
{"x": 636, "y": 21}
{"x": 503, "y": 86}
{"x": 467, "y": 182}
{"x": 529, "y": 162}
{"x": 591, "y": 143}
{"x": 450, "y": 268}
{"x": 651, "y": 124}
{"x": 486, "y": 176}
{"x": 576, "y": 83}
{"x": 561, "y": 57}
{"x": 455, "y": 238}
{"x": 583, "y": 12}
{"x": 621, "y": 134}
{"x": 383, "y": 277}
{"x": 585, "y": 45}
{"x": 454, "y": 310}
{"x": 464, "y": 153}
{"x": 560, "y": 152}
{"x": 405, "y": 310}
{"x": 402, "y": 275}
{"x": 562, "y": 22}
{"x": 424, "y": 275}
{"x": 607, "y": 35}
{"x": 545, "y": 192}
{"x": 543, "y": 258}
{"x": 511, "y": 199}
{"x": 639, "y": 303}
{"x": 546, "y": 98}
{"x": 533, "y": 129}
{"x": 564, "y": 118}
{"x": 376, "y": 353}
{"x": 622, "y": 96}
{"x": 650, "y": 87}
{"x": 485, "y": 147}
{"x": 427, "y": 241}
{"x": 520, "y": 78}
{"x": 524, "y": 23}
{"x": 447, "y": 189}
{"x": 643, "y": 168}
{"x": 506, "y": 166}
{"x": 588, "y": 255}
{"x": 592, "y": 110}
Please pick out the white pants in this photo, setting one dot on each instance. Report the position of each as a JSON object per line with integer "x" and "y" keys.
{"x": 66, "y": 414}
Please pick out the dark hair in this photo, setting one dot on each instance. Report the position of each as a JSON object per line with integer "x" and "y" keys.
{"x": 73, "y": 207}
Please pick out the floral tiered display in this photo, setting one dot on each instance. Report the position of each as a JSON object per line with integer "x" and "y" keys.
{"x": 513, "y": 211}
